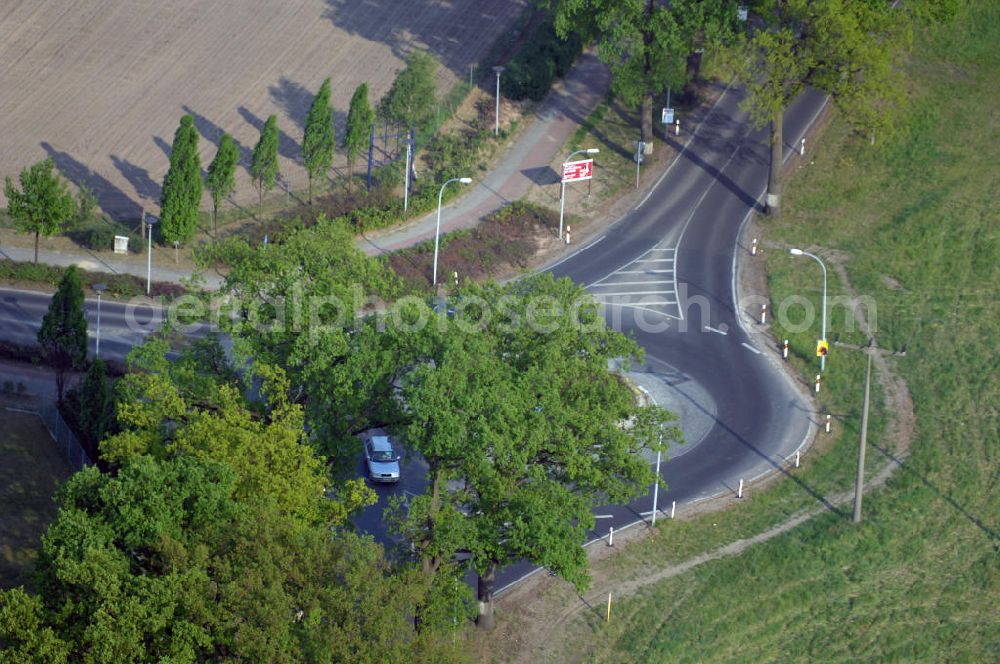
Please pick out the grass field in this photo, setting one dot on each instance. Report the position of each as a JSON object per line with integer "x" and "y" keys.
{"x": 915, "y": 225}
{"x": 29, "y": 474}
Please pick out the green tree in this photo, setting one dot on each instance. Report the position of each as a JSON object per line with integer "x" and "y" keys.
{"x": 360, "y": 117}
{"x": 42, "y": 205}
{"x": 318, "y": 140}
{"x": 264, "y": 162}
{"x": 850, "y": 50}
{"x": 163, "y": 563}
{"x": 412, "y": 99}
{"x": 221, "y": 180}
{"x": 190, "y": 405}
{"x": 63, "y": 335}
{"x": 510, "y": 399}
{"x": 181, "y": 197}
{"x": 648, "y": 45}
{"x": 96, "y": 404}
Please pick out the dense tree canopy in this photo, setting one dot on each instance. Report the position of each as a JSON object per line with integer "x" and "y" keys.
{"x": 164, "y": 563}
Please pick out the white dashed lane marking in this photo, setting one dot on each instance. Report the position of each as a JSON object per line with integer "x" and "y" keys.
{"x": 647, "y": 283}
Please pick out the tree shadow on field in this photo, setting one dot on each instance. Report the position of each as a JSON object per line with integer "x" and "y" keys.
{"x": 444, "y": 29}
{"x": 213, "y": 134}
{"x": 287, "y": 146}
{"x": 115, "y": 202}
{"x": 295, "y": 100}
{"x": 138, "y": 177}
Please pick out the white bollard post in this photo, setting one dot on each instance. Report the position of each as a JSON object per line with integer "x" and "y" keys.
{"x": 784, "y": 350}
{"x": 796, "y": 458}
{"x": 828, "y": 424}
{"x": 802, "y": 148}
{"x": 567, "y": 234}
{"x": 454, "y": 276}
{"x": 673, "y": 508}
{"x": 739, "y": 492}
{"x": 611, "y": 536}
{"x": 753, "y": 247}
{"x": 677, "y": 127}
{"x": 763, "y": 314}
{"x": 817, "y": 383}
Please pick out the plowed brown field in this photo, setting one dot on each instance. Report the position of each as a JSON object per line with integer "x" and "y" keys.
{"x": 100, "y": 85}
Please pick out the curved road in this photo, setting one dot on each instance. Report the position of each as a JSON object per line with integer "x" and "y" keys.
{"x": 666, "y": 273}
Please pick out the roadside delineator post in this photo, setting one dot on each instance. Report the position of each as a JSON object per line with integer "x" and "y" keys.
{"x": 739, "y": 492}
{"x": 611, "y": 536}
{"x": 802, "y": 148}
{"x": 784, "y": 350}
{"x": 828, "y": 424}
{"x": 677, "y": 127}
{"x": 609, "y": 607}
{"x": 454, "y": 276}
{"x": 673, "y": 508}
{"x": 818, "y": 378}
{"x": 567, "y": 233}
{"x": 763, "y": 314}
{"x": 796, "y": 458}
{"x": 753, "y": 247}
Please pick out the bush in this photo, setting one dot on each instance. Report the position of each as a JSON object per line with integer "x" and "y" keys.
{"x": 119, "y": 285}
{"x": 544, "y": 57}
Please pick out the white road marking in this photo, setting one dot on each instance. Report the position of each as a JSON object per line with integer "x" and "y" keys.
{"x": 578, "y": 251}
{"x": 624, "y": 294}
{"x": 654, "y": 260}
{"x": 631, "y": 283}
{"x": 746, "y": 345}
{"x": 644, "y": 272}
{"x": 712, "y": 329}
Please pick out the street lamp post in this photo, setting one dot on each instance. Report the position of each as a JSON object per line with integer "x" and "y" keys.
{"x": 656, "y": 485}
{"x": 562, "y": 186}
{"x": 437, "y": 227}
{"x": 496, "y": 130}
{"x": 99, "y": 288}
{"x": 799, "y": 252}
{"x": 150, "y": 220}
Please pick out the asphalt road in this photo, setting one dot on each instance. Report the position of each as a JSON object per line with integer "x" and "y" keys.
{"x": 666, "y": 273}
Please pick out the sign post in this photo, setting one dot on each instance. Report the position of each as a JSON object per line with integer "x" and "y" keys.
{"x": 573, "y": 171}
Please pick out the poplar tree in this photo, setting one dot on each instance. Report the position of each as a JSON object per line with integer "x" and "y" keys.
{"x": 264, "y": 163}
{"x": 63, "y": 335}
{"x": 318, "y": 141}
{"x": 221, "y": 180}
{"x": 412, "y": 98}
{"x": 360, "y": 117}
{"x": 181, "y": 197}
{"x": 43, "y": 204}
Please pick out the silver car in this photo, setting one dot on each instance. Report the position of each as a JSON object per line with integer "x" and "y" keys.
{"x": 382, "y": 460}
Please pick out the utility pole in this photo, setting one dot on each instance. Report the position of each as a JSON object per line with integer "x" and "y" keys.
{"x": 859, "y": 482}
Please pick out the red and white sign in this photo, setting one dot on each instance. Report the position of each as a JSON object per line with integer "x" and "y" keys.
{"x": 578, "y": 170}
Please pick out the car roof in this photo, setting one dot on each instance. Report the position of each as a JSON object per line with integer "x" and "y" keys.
{"x": 381, "y": 444}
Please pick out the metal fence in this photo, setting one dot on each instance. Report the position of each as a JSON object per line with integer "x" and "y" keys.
{"x": 65, "y": 439}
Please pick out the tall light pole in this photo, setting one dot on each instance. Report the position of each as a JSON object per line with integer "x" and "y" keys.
{"x": 656, "y": 486}
{"x": 496, "y": 129}
{"x": 437, "y": 227}
{"x": 99, "y": 288}
{"x": 150, "y": 220}
{"x": 562, "y": 186}
{"x": 799, "y": 252}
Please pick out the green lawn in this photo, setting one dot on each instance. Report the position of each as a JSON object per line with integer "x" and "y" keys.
{"x": 29, "y": 474}
{"x": 917, "y": 224}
